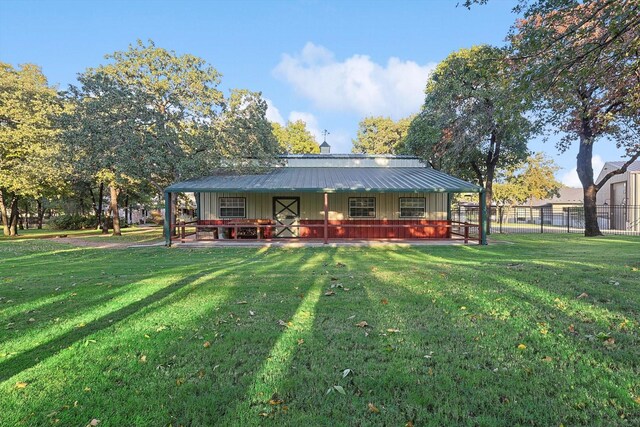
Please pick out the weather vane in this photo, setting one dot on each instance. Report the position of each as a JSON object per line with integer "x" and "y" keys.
{"x": 324, "y": 134}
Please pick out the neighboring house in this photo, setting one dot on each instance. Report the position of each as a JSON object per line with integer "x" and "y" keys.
{"x": 326, "y": 196}
{"x": 621, "y": 196}
{"x": 555, "y": 210}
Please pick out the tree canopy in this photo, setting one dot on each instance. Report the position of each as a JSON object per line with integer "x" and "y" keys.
{"x": 532, "y": 179}
{"x": 295, "y": 138}
{"x": 473, "y": 120}
{"x": 381, "y": 135}
{"x": 581, "y": 60}
{"x": 30, "y": 152}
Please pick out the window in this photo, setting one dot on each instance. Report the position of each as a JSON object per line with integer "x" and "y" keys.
{"x": 232, "y": 207}
{"x": 362, "y": 207}
{"x": 412, "y": 207}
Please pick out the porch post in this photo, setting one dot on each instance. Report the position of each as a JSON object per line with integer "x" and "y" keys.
{"x": 326, "y": 218}
{"x": 167, "y": 218}
{"x": 449, "y": 208}
{"x": 197, "y": 206}
{"x": 483, "y": 218}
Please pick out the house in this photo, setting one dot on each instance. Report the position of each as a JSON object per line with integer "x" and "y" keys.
{"x": 556, "y": 210}
{"x": 619, "y": 197}
{"x": 328, "y": 196}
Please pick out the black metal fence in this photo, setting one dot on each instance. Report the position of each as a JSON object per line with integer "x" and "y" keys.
{"x": 612, "y": 219}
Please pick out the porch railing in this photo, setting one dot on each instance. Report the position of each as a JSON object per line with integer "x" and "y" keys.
{"x": 182, "y": 230}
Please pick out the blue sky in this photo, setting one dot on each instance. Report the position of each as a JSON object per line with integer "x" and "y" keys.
{"x": 330, "y": 63}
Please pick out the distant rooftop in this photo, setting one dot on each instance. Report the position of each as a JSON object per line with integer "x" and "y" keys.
{"x": 633, "y": 167}
{"x": 567, "y": 195}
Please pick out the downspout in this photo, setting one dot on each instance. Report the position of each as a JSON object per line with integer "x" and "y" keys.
{"x": 167, "y": 218}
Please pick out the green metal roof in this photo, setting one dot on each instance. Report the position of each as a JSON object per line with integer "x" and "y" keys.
{"x": 332, "y": 180}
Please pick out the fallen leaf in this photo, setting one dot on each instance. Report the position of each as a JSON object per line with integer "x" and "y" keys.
{"x": 463, "y": 308}
{"x": 32, "y": 320}
{"x": 346, "y": 372}
{"x": 351, "y": 317}
{"x": 87, "y": 389}
{"x": 583, "y": 295}
{"x": 521, "y": 346}
{"x": 180, "y": 381}
{"x": 251, "y": 313}
{"x": 572, "y": 329}
{"x": 362, "y": 324}
{"x": 201, "y": 373}
{"x": 637, "y": 400}
{"x": 609, "y": 342}
{"x": 263, "y": 414}
{"x": 282, "y": 323}
{"x": 339, "y": 389}
{"x": 143, "y": 359}
{"x": 276, "y": 402}
{"x": 339, "y": 264}
{"x": 206, "y": 344}
{"x": 409, "y": 424}
{"x": 329, "y": 293}
{"x": 300, "y": 341}
{"x": 547, "y": 359}
{"x": 392, "y": 330}
{"x": 94, "y": 422}
{"x": 384, "y": 301}
{"x": 241, "y": 302}
{"x": 372, "y": 408}
{"x": 21, "y": 384}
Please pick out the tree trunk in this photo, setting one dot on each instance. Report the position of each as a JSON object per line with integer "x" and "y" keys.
{"x": 26, "y": 214}
{"x": 13, "y": 218}
{"x": 585, "y": 173}
{"x": 99, "y": 209}
{"x": 488, "y": 195}
{"x": 40, "y": 213}
{"x": 113, "y": 207}
{"x": 126, "y": 209}
{"x": 4, "y": 213}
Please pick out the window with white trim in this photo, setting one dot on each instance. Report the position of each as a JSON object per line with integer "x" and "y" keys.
{"x": 232, "y": 207}
{"x": 413, "y": 207}
{"x": 362, "y": 207}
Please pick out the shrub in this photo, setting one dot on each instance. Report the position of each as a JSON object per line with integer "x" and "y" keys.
{"x": 72, "y": 222}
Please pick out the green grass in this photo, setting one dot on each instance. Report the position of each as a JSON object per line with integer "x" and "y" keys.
{"x": 129, "y": 235}
{"x": 121, "y": 335}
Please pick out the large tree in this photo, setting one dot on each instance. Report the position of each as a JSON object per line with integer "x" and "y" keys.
{"x": 295, "y": 138}
{"x": 381, "y": 135}
{"x": 582, "y": 60}
{"x": 473, "y": 120}
{"x": 171, "y": 121}
{"x": 30, "y": 161}
{"x": 107, "y": 133}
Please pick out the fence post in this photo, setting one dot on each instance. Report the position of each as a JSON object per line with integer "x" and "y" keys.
{"x": 500, "y": 217}
{"x": 541, "y": 220}
{"x": 568, "y": 219}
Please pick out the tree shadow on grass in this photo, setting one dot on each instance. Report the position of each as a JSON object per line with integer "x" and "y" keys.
{"x": 37, "y": 354}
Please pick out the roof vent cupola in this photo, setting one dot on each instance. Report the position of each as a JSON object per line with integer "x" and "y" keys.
{"x": 324, "y": 147}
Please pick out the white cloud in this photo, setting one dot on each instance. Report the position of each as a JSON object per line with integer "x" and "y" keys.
{"x": 356, "y": 84}
{"x": 273, "y": 114}
{"x": 570, "y": 179}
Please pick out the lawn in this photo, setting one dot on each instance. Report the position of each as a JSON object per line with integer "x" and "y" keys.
{"x": 543, "y": 330}
{"x": 132, "y": 234}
